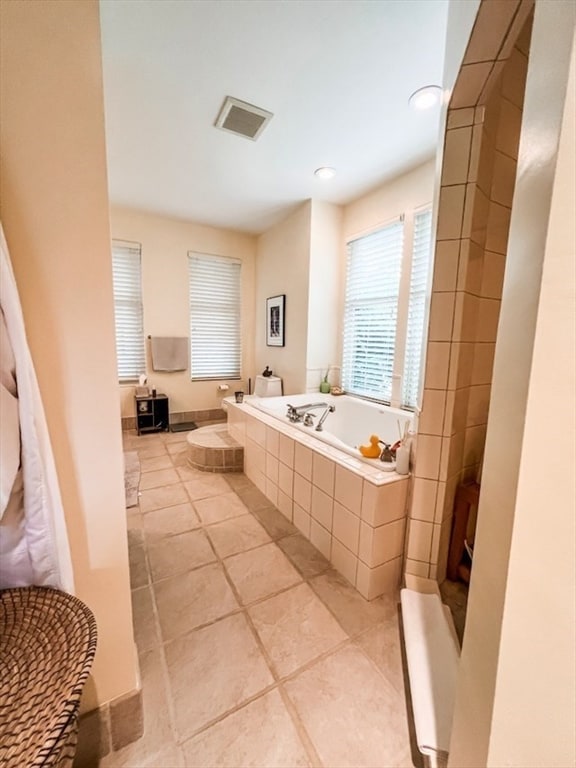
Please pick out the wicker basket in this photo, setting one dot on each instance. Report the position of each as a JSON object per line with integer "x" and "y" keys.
{"x": 47, "y": 645}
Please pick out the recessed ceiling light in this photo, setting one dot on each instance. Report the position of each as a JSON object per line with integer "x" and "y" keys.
{"x": 426, "y": 98}
{"x": 325, "y": 172}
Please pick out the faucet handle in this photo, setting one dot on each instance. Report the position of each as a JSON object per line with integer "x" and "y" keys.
{"x": 308, "y": 420}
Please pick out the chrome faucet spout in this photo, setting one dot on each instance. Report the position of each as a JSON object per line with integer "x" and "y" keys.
{"x": 297, "y": 412}
{"x": 329, "y": 409}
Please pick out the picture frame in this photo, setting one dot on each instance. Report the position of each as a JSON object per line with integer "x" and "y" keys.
{"x": 275, "y": 314}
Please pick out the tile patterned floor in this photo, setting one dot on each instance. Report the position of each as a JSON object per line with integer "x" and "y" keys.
{"x": 253, "y": 652}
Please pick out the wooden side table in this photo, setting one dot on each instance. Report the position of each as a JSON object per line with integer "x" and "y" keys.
{"x": 467, "y": 496}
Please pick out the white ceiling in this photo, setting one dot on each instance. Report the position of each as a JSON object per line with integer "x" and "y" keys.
{"x": 337, "y": 75}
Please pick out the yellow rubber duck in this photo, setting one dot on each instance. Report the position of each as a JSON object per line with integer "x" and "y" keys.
{"x": 371, "y": 451}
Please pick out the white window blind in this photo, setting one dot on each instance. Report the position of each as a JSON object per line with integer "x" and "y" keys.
{"x": 215, "y": 348}
{"x": 370, "y": 312}
{"x": 128, "y": 313}
{"x": 421, "y": 257}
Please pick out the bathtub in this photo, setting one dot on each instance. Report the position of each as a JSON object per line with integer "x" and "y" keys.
{"x": 351, "y": 510}
{"x": 351, "y": 424}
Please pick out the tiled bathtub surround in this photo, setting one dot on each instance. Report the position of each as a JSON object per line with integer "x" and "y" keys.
{"x": 478, "y": 177}
{"x": 353, "y": 513}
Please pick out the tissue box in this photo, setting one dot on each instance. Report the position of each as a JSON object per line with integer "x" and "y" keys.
{"x": 142, "y": 392}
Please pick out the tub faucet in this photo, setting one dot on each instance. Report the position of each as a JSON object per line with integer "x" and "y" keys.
{"x": 297, "y": 412}
{"x": 329, "y": 409}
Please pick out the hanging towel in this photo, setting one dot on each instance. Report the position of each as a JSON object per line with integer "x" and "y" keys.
{"x": 34, "y": 546}
{"x": 169, "y": 353}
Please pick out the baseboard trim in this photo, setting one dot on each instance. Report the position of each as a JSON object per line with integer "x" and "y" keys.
{"x": 202, "y": 418}
{"x": 109, "y": 728}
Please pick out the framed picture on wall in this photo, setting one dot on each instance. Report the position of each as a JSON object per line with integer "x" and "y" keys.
{"x": 275, "y": 307}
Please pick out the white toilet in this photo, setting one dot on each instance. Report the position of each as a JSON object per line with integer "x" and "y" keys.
{"x": 268, "y": 386}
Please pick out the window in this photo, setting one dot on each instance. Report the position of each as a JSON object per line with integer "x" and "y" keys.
{"x": 371, "y": 311}
{"x": 130, "y": 353}
{"x": 384, "y": 310}
{"x": 215, "y": 348}
{"x": 421, "y": 252}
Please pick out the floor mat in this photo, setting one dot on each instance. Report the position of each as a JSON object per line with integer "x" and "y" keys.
{"x": 184, "y": 426}
{"x": 131, "y": 477}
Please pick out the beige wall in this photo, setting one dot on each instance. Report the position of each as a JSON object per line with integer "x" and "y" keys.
{"x": 165, "y": 245}
{"x": 411, "y": 190}
{"x": 283, "y": 263}
{"x": 55, "y": 216}
{"x": 515, "y": 697}
{"x": 324, "y": 300}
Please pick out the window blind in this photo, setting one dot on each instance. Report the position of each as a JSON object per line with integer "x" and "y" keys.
{"x": 370, "y": 312}
{"x": 421, "y": 257}
{"x": 214, "y": 290}
{"x": 128, "y": 315}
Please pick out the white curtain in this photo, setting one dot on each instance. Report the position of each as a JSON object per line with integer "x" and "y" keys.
{"x": 34, "y": 546}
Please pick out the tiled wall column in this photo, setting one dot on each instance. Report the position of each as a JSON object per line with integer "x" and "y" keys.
{"x": 354, "y": 514}
{"x": 477, "y": 186}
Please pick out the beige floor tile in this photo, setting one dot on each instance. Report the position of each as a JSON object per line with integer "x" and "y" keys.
{"x": 187, "y": 472}
{"x": 192, "y": 599}
{"x": 260, "y": 735}
{"x": 179, "y": 457}
{"x": 218, "y": 508}
{"x": 206, "y": 485}
{"x": 212, "y": 671}
{"x": 146, "y": 631}
{"x": 170, "y": 757}
{"x": 295, "y": 627}
{"x": 130, "y": 442}
{"x": 137, "y": 558}
{"x": 173, "y": 438}
{"x": 304, "y": 555}
{"x": 261, "y": 572}
{"x": 253, "y": 498}
{"x": 157, "y": 478}
{"x": 134, "y": 520}
{"x": 171, "y": 555}
{"x": 352, "y": 714}
{"x": 150, "y": 450}
{"x": 237, "y": 535}
{"x": 156, "y": 462}
{"x": 169, "y": 521}
{"x": 177, "y": 449}
{"x": 158, "y": 736}
{"x": 354, "y": 613}
{"x": 382, "y": 645}
{"x": 239, "y": 482}
{"x": 158, "y": 498}
{"x": 274, "y": 522}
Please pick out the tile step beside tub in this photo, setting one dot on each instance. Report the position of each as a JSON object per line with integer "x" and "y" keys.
{"x": 354, "y": 513}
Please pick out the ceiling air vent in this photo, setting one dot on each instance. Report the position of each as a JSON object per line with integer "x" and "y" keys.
{"x": 242, "y": 118}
